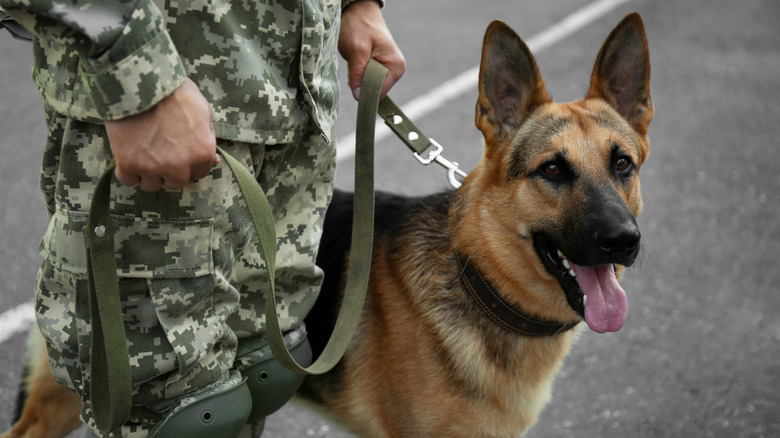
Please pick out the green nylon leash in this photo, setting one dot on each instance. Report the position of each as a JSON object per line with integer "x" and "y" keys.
{"x": 111, "y": 387}
{"x": 110, "y": 390}
{"x": 407, "y": 131}
{"x": 362, "y": 240}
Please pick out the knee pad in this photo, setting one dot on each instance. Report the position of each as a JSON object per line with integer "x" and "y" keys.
{"x": 219, "y": 415}
{"x": 265, "y": 388}
{"x": 272, "y": 385}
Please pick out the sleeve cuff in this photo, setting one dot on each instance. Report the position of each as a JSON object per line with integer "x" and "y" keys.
{"x": 345, "y": 3}
{"x": 138, "y": 69}
{"x": 137, "y": 82}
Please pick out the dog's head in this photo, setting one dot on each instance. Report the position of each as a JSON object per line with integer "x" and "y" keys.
{"x": 559, "y": 181}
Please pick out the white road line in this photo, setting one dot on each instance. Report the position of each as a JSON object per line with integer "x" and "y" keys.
{"x": 21, "y": 317}
{"x": 467, "y": 80}
{"x": 16, "y": 320}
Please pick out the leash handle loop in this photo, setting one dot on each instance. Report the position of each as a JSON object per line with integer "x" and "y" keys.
{"x": 110, "y": 389}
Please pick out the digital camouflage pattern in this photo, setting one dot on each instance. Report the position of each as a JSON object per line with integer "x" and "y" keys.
{"x": 191, "y": 274}
{"x": 255, "y": 61}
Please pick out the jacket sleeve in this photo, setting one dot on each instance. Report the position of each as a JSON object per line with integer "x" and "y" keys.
{"x": 128, "y": 62}
{"x": 345, "y": 3}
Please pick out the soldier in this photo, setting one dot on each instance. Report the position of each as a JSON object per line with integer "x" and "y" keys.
{"x": 157, "y": 86}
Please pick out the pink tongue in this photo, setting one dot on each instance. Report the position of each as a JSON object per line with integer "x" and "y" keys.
{"x": 606, "y": 306}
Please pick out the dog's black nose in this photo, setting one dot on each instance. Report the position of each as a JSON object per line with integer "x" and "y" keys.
{"x": 618, "y": 239}
{"x": 610, "y": 228}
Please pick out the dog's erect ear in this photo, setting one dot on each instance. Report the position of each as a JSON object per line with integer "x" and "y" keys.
{"x": 510, "y": 85}
{"x": 621, "y": 75}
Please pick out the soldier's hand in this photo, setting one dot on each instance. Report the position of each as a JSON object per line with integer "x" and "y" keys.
{"x": 166, "y": 146}
{"x": 364, "y": 35}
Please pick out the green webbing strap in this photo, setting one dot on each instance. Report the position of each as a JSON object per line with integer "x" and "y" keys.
{"x": 403, "y": 127}
{"x": 362, "y": 239}
{"x": 110, "y": 388}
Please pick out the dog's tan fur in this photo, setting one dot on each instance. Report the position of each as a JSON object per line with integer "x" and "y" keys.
{"x": 426, "y": 360}
{"x": 52, "y": 410}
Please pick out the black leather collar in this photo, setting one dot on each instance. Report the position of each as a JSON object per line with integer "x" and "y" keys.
{"x": 501, "y": 311}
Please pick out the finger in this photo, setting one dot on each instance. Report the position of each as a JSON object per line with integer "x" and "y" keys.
{"x": 204, "y": 159}
{"x": 150, "y": 183}
{"x": 200, "y": 171}
{"x": 386, "y": 53}
{"x": 173, "y": 183}
{"x": 202, "y": 166}
{"x": 357, "y": 68}
{"x": 390, "y": 56}
{"x": 394, "y": 73}
{"x": 126, "y": 179}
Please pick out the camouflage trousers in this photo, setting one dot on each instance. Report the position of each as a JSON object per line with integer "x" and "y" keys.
{"x": 191, "y": 275}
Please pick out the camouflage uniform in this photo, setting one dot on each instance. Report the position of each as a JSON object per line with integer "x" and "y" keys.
{"x": 191, "y": 274}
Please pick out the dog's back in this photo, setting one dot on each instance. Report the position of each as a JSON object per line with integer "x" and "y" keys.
{"x": 397, "y": 219}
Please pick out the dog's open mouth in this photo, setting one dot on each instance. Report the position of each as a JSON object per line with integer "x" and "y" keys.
{"x": 592, "y": 292}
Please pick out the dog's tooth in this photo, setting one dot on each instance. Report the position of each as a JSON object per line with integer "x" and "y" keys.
{"x": 560, "y": 254}
{"x": 572, "y": 273}
{"x": 566, "y": 264}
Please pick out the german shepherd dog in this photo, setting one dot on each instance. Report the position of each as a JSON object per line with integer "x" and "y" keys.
{"x": 474, "y": 294}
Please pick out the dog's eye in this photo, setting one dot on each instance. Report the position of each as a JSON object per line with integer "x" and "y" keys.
{"x": 551, "y": 169}
{"x": 556, "y": 171}
{"x": 623, "y": 164}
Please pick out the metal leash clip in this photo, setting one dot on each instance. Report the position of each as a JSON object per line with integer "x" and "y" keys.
{"x": 451, "y": 166}
{"x": 416, "y": 140}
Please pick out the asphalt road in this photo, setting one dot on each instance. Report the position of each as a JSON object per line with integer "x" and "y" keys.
{"x": 700, "y": 353}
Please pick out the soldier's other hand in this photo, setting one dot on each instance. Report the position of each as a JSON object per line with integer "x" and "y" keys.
{"x": 364, "y": 35}
{"x": 166, "y": 146}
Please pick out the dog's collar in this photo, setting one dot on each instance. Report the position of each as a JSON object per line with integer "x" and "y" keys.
{"x": 501, "y": 311}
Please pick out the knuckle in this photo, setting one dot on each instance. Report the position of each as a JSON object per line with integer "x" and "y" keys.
{"x": 148, "y": 185}
{"x": 204, "y": 153}
{"x": 127, "y": 175}
{"x": 174, "y": 184}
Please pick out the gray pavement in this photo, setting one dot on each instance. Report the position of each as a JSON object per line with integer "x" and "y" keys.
{"x": 700, "y": 353}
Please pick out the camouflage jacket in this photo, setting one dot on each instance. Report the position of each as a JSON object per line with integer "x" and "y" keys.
{"x": 257, "y": 62}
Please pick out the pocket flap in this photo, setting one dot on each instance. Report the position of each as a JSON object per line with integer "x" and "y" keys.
{"x": 145, "y": 247}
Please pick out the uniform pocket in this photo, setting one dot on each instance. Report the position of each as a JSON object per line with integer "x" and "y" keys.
{"x": 166, "y": 284}
{"x": 155, "y": 248}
